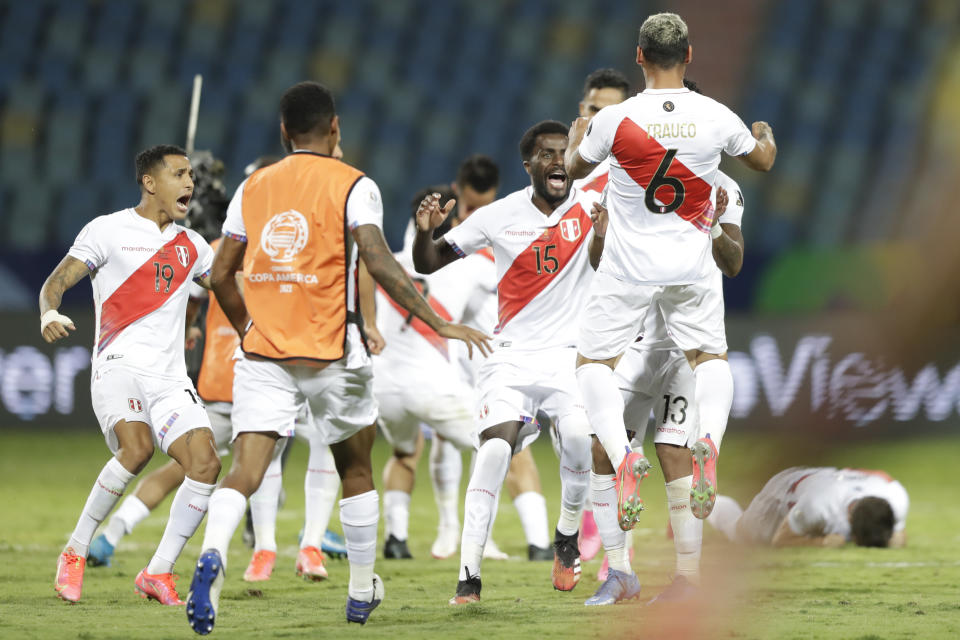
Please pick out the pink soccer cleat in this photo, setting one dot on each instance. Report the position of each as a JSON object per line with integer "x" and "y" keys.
{"x": 159, "y": 587}
{"x": 632, "y": 470}
{"x": 261, "y": 566}
{"x": 590, "y": 542}
{"x": 310, "y": 564}
{"x": 703, "y": 493}
{"x": 69, "y": 582}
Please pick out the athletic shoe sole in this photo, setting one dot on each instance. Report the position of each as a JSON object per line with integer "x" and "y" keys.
{"x": 633, "y": 470}
{"x": 703, "y": 494}
{"x": 204, "y": 592}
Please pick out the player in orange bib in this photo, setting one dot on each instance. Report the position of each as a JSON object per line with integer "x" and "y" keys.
{"x": 297, "y": 227}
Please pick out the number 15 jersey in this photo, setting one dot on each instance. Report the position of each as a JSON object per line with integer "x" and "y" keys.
{"x": 139, "y": 276}
{"x": 664, "y": 149}
{"x": 543, "y": 265}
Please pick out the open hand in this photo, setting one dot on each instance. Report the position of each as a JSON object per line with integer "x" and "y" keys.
{"x": 470, "y": 336}
{"x": 430, "y": 214}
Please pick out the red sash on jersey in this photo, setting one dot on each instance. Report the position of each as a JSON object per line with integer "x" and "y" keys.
{"x": 146, "y": 289}
{"x": 521, "y": 283}
{"x": 437, "y": 341}
{"x": 639, "y": 155}
{"x": 597, "y": 184}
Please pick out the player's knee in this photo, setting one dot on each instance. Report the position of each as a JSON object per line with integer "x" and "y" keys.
{"x": 205, "y": 466}
{"x": 578, "y": 450}
{"x": 135, "y": 453}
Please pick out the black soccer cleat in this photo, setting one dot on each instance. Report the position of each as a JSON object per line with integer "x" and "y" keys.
{"x": 566, "y": 561}
{"x": 467, "y": 590}
{"x": 539, "y": 554}
{"x": 396, "y": 549}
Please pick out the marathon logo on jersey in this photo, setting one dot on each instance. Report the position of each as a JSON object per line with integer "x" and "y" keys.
{"x": 183, "y": 255}
{"x": 570, "y": 229}
{"x": 135, "y": 405}
{"x": 284, "y": 236}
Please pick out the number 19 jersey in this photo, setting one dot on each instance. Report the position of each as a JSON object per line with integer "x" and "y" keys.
{"x": 664, "y": 149}
{"x": 139, "y": 276}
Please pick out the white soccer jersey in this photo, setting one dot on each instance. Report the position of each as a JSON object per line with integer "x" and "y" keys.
{"x": 664, "y": 149}
{"x": 542, "y": 262}
{"x": 655, "y": 335}
{"x": 817, "y": 499}
{"x": 140, "y": 276}
{"x": 596, "y": 180}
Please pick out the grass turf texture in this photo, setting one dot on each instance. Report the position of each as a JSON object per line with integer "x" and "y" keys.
{"x": 794, "y": 593}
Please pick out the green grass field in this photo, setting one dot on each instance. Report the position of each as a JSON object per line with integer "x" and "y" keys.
{"x": 797, "y": 593}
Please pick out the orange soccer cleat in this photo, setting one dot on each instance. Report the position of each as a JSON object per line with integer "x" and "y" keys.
{"x": 310, "y": 564}
{"x": 160, "y": 587}
{"x": 566, "y": 562}
{"x": 632, "y": 470}
{"x": 261, "y": 566}
{"x": 703, "y": 493}
{"x": 69, "y": 582}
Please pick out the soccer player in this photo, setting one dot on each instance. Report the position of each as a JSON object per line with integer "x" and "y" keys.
{"x": 543, "y": 241}
{"x": 664, "y": 148}
{"x": 297, "y": 227}
{"x": 819, "y": 507}
{"x": 139, "y": 262}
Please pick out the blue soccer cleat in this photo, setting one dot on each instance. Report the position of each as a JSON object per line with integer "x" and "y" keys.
{"x": 204, "y": 594}
{"x": 618, "y": 587}
{"x": 333, "y": 545}
{"x": 358, "y": 610}
{"x": 101, "y": 552}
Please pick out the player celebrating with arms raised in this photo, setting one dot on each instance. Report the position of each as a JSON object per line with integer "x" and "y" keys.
{"x": 140, "y": 263}
{"x": 664, "y": 148}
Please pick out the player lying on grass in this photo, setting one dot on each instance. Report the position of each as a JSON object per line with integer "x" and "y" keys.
{"x": 140, "y": 264}
{"x": 819, "y": 507}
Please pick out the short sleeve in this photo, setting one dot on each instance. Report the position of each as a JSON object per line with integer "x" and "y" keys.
{"x": 806, "y": 518}
{"x": 734, "y": 212}
{"x": 598, "y": 140}
{"x": 204, "y": 258}
{"x": 736, "y": 136}
{"x": 88, "y": 247}
{"x": 472, "y": 234}
{"x": 364, "y": 204}
{"x": 233, "y": 226}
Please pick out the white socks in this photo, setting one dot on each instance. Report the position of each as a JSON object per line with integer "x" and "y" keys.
{"x": 396, "y": 507}
{"x": 321, "y": 486}
{"x": 714, "y": 396}
{"x": 725, "y": 516}
{"x": 603, "y": 494}
{"x": 264, "y": 503}
{"x": 226, "y": 508}
{"x": 575, "y": 462}
{"x": 687, "y": 530}
{"x": 604, "y": 406}
{"x": 446, "y": 468}
{"x": 489, "y": 472}
{"x": 128, "y": 515}
{"x": 188, "y": 508}
{"x": 359, "y": 516}
{"x": 110, "y": 485}
{"x": 532, "y": 509}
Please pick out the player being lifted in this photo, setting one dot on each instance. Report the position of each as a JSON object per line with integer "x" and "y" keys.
{"x": 297, "y": 228}
{"x": 664, "y": 148}
{"x": 543, "y": 241}
{"x": 140, "y": 263}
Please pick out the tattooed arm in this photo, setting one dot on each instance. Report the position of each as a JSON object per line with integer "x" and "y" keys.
{"x": 53, "y": 326}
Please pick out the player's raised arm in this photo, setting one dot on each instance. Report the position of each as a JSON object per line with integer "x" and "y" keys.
{"x": 430, "y": 255}
{"x": 54, "y": 325}
{"x": 764, "y": 154}
{"x": 223, "y": 281}
{"x": 598, "y": 216}
{"x": 390, "y": 275}
{"x": 577, "y": 167}
{"x": 727, "y": 239}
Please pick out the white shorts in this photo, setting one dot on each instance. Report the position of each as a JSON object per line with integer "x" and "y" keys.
{"x": 169, "y": 406}
{"x": 762, "y": 518}
{"x": 448, "y": 411}
{"x": 613, "y": 317}
{"x": 219, "y": 414}
{"x": 268, "y": 396}
{"x": 515, "y": 384}
{"x": 662, "y": 382}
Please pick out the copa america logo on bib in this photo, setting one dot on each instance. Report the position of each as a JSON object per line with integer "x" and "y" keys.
{"x": 284, "y": 236}
{"x": 183, "y": 255}
{"x": 570, "y": 229}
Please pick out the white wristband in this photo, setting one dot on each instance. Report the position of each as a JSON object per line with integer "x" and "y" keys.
{"x": 716, "y": 231}
{"x": 52, "y": 315}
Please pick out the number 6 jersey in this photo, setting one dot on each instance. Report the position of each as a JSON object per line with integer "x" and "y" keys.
{"x": 664, "y": 149}
{"x": 138, "y": 274}
{"x": 543, "y": 265}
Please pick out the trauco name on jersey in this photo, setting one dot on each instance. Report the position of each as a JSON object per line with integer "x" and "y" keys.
{"x": 284, "y": 237}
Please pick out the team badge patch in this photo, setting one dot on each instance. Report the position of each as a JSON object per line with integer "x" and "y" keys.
{"x": 135, "y": 405}
{"x": 668, "y": 106}
{"x": 183, "y": 255}
{"x": 570, "y": 229}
